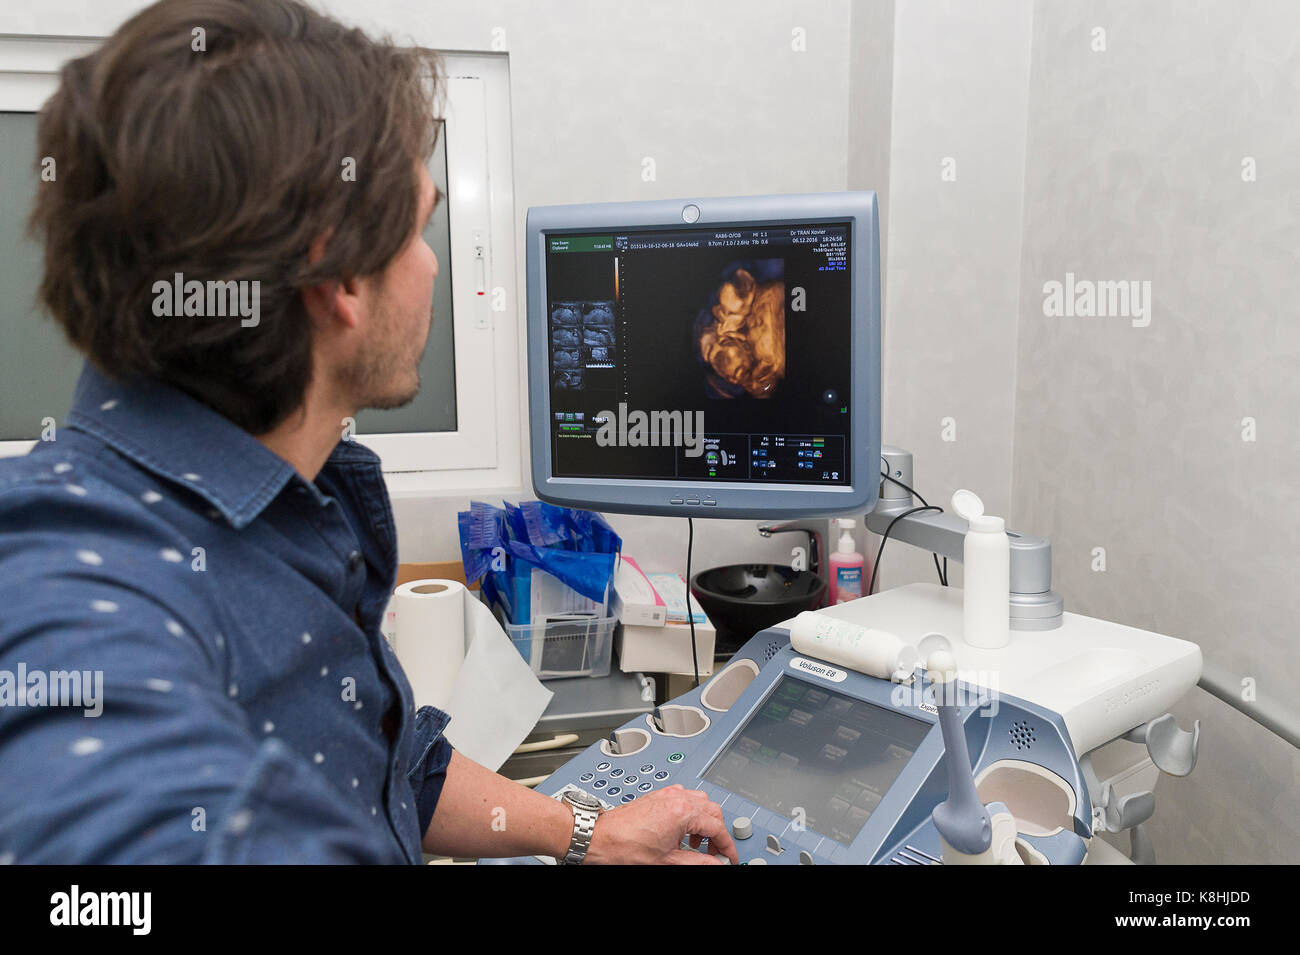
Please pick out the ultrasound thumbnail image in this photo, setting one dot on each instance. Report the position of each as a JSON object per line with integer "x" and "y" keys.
{"x": 582, "y": 336}
{"x": 740, "y": 333}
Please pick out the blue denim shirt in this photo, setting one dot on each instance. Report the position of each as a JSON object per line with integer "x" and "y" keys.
{"x": 252, "y": 710}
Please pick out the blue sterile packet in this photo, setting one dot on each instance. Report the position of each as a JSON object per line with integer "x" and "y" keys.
{"x": 482, "y": 537}
{"x": 577, "y": 547}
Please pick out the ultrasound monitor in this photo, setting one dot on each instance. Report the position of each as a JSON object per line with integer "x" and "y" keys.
{"x": 706, "y": 357}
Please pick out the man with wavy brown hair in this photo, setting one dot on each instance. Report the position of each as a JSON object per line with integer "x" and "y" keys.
{"x": 234, "y": 240}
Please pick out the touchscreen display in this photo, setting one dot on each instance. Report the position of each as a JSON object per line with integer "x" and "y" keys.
{"x": 811, "y": 748}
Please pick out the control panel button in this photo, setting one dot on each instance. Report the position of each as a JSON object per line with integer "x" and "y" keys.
{"x": 742, "y": 827}
{"x": 600, "y": 784}
{"x": 631, "y": 778}
{"x": 586, "y": 777}
{"x": 661, "y": 775}
{"x": 601, "y": 767}
{"x": 646, "y": 787}
{"x": 755, "y": 862}
{"x": 615, "y": 773}
{"x": 648, "y": 768}
{"x": 614, "y": 790}
{"x": 774, "y": 845}
{"x": 628, "y": 797}
{"x": 805, "y": 857}
{"x": 676, "y": 757}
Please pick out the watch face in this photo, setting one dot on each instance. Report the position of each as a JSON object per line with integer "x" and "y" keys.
{"x": 582, "y": 800}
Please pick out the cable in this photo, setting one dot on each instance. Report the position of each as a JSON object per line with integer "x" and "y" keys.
{"x": 690, "y": 614}
{"x": 943, "y": 574}
{"x": 874, "y": 570}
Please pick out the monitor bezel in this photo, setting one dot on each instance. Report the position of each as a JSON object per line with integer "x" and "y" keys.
{"x": 732, "y": 499}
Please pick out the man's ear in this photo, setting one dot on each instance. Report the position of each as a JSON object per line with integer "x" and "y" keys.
{"x": 332, "y": 301}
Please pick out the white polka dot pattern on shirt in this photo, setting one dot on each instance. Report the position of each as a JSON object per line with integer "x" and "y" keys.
{"x": 306, "y": 638}
{"x": 268, "y": 727}
{"x": 171, "y": 555}
{"x": 76, "y": 489}
{"x": 234, "y": 690}
{"x": 191, "y": 476}
{"x": 318, "y": 758}
{"x": 151, "y": 497}
{"x": 89, "y": 557}
{"x": 86, "y": 745}
{"x": 162, "y": 686}
{"x": 103, "y": 606}
{"x": 108, "y": 405}
{"x": 63, "y": 467}
{"x": 174, "y": 628}
{"x": 240, "y": 822}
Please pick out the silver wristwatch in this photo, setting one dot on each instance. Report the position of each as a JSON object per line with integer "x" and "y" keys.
{"x": 586, "y": 810}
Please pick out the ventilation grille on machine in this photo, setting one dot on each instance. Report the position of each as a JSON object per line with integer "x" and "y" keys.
{"x": 1023, "y": 734}
{"x": 772, "y": 650}
{"x": 910, "y": 855}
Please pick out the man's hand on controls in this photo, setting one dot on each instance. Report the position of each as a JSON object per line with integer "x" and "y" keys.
{"x": 650, "y": 830}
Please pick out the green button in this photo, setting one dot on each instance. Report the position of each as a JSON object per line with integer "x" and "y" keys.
{"x": 676, "y": 757}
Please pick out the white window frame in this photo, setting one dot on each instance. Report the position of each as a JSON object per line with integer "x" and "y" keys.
{"x": 486, "y": 449}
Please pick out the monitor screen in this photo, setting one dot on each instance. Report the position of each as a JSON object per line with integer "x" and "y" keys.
{"x": 810, "y": 748}
{"x": 726, "y": 366}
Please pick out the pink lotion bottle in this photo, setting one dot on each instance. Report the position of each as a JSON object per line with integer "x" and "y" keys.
{"x": 846, "y": 578}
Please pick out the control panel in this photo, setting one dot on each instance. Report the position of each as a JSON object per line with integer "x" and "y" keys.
{"x": 814, "y": 764}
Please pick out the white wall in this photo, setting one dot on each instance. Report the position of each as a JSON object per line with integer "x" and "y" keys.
{"x": 956, "y": 174}
{"x": 1130, "y": 439}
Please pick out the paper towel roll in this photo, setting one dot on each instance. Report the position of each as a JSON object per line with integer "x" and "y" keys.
{"x": 876, "y": 653}
{"x": 430, "y": 642}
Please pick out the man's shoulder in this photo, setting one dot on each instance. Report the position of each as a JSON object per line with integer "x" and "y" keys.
{"x": 73, "y": 516}
{"x": 75, "y": 487}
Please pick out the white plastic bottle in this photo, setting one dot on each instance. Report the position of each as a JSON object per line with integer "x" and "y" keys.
{"x": 986, "y": 568}
{"x": 847, "y": 566}
{"x": 877, "y": 653}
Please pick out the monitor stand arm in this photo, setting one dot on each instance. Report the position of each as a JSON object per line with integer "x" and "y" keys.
{"x": 1034, "y": 606}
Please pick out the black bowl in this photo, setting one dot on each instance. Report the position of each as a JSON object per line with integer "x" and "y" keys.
{"x": 742, "y": 599}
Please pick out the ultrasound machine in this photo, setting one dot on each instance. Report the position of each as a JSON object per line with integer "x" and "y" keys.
{"x": 1021, "y": 754}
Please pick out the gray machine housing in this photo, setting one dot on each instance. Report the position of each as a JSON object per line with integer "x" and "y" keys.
{"x": 900, "y": 830}
{"x": 716, "y": 499}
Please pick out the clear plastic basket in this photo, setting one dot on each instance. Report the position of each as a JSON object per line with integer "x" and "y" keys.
{"x": 566, "y": 645}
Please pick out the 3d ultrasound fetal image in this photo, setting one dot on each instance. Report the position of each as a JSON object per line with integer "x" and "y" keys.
{"x": 740, "y": 336}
